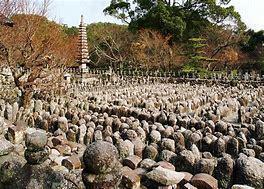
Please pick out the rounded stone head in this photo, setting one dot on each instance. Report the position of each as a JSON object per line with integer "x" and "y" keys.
{"x": 100, "y": 157}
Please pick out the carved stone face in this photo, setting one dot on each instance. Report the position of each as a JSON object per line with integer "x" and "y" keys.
{"x": 5, "y": 21}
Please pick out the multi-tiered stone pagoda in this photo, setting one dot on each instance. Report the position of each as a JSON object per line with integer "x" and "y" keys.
{"x": 83, "y": 54}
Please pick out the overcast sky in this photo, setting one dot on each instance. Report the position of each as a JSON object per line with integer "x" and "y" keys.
{"x": 69, "y": 11}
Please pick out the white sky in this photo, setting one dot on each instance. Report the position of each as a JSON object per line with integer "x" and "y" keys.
{"x": 69, "y": 11}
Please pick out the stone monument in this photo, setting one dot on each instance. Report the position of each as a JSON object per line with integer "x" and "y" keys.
{"x": 83, "y": 54}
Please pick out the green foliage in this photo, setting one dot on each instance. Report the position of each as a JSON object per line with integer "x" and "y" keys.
{"x": 255, "y": 40}
{"x": 183, "y": 19}
{"x": 195, "y": 52}
{"x": 70, "y": 31}
{"x": 97, "y": 31}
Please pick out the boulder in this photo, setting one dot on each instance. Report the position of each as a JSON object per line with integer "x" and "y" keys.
{"x": 249, "y": 171}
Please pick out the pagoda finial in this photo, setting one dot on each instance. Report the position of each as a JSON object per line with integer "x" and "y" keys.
{"x": 82, "y": 19}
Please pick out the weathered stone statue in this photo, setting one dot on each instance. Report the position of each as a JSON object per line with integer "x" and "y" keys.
{"x": 102, "y": 168}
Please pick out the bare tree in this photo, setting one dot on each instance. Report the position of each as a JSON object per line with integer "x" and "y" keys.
{"x": 34, "y": 50}
{"x": 152, "y": 50}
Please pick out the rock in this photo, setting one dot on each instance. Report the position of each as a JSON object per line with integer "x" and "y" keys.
{"x": 146, "y": 163}
{"x": 101, "y": 166}
{"x": 164, "y": 176}
{"x": 258, "y": 149}
{"x": 165, "y": 165}
{"x": 168, "y": 156}
{"x": 207, "y": 144}
{"x": 58, "y": 160}
{"x": 54, "y": 154}
{"x": 249, "y": 171}
{"x": 37, "y": 157}
{"x": 155, "y": 136}
{"x": 138, "y": 147}
{"x": 130, "y": 180}
{"x": 168, "y": 144}
{"x": 36, "y": 140}
{"x": 194, "y": 138}
{"x": 189, "y": 186}
{"x": 179, "y": 138}
{"x": 261, "y": 156}
{"x": 16, "y": 134}
{"x": 241, "y": 187}
{"x": 219, "y": 147}
{"x": 205, "y": 166}
{"x": 59, "y": 168}
{"x": 207, "y": 155}
{"x": 100, "y": 157}
{"x": 131, "y": 135}
{"x": 123, "y": 149}
{"x": 10, "y": 169}
{"x": 248, "y": 152}
{"x": 63, "y": 124}
{"x": 260, "y": 130}
{"x": 224, "y": 171}
{"x": 59, "y": 140}
{"x": 187, "y": 178}
{"x": 150, "y": 152}
{"x": 71, "y": 135}
{"x": 130, "y": 146}
{"x": 232, "y": 147}
{"x": 5, "y": 147}
{"x": 204, "y": 181}
{"x": 185, "y": 161}
{"x": 132, "y": 161}
{"x": 221, "y": 127}
{"x": 38, "y": 106}
{"x": 81, "y": 133}
{"x": 8, "y": 113}
{"x": 72, "y": 162}
{"x": 98, "y": 136}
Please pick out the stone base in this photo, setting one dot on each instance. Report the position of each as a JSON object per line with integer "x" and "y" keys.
{"x": 36, "y": 157}
{"x": 103, "y": 181}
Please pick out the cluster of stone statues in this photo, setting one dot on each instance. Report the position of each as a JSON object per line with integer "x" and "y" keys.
{"x": 138, "y": 135}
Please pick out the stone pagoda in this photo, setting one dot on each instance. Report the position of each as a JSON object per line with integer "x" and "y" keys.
{"x": 83, "y": 54}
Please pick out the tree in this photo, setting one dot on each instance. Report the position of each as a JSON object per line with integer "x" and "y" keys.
{"x": 109, "y": 44}
{"x": 183, "y": 19}
{"x": 70, "y": 31}
{"x": 254, "y": 48}
{"x": 35, "y": 50}
{"x": 152, "y": 50}
{"x": 222, "y": 47}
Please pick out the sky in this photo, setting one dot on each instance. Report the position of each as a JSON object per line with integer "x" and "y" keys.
{"x": 69, "y": 12}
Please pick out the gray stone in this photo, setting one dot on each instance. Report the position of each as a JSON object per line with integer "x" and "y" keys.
{"x": 237, "y": 186}
{"x": 168, "y": 144}
{"x": 100, "y": 157}
{"x": 164, "y": 176}
{"x": 249, "y": 171}
{"x": 36, "y": 141}
{"x": 155, "y": 136}
{"x": 5, "y": 147}
{"x": 205, "y": 166}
